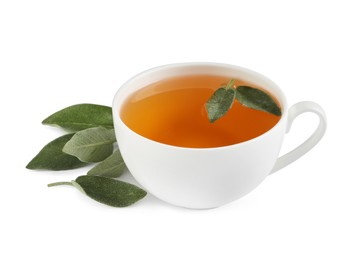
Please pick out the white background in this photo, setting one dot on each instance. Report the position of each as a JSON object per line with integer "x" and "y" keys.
{"x": 58, "y": 53}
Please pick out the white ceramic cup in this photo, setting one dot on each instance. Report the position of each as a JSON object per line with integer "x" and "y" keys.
{"x": 203, "y": 178}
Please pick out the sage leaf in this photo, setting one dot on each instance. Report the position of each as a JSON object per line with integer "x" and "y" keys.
{"x": 107, "y": 191}
{"x": 257, "y": 99}
{"x": 219, "y": 103}
{"x": 111, "y": 167}
{"x": 51, "y": 157}
{"x": 81, "y": 116}
{"x": 92, "y": 144}
{"x": 110, "y": 192}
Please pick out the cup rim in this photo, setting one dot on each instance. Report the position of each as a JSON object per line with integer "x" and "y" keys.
{"x": 116, "y": 104}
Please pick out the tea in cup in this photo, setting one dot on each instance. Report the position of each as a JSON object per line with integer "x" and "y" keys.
{"x": 179, "y": 156}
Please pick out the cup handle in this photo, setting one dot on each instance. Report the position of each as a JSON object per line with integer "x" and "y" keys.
{"x": 294, "y": 111}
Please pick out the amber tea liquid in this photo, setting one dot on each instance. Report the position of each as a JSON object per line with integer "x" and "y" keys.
{"x": 172, "y": 111}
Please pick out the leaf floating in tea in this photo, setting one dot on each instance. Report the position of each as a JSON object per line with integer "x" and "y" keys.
{"x": 91, "y": 145}
{"x": 257, "y": 99}
{"x": 220, "y": 102}
{"x": 107, "y": 191}
{"x": 81, "y": 116}
{"x": 51, "y": 157}
{"x": 111, "y": 167}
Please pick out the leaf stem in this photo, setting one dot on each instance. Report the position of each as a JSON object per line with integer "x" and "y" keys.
{"x": 60, "y": 183}
{"x": 230, "y": 84}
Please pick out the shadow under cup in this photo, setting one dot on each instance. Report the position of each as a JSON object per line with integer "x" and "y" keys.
{"x": 198, "y": 177}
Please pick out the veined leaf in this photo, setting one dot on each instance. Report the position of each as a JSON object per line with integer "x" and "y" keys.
{"x": 91, "y": 145}
{"x": 107, "y": 191}
{"x": 81, "y": 116}
{"x": 257, "y": 99}
{"x": 51, "y": 157}
{"x": 111, "y": 167}
{"x": 219, "y": 103}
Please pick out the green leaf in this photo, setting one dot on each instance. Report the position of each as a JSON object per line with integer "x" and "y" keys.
{"x": 81, "y": 116}
{"x": 91, "y": 145}
{"x": 110, "y": 192}
{"x": 257, "y": 99}
{"x": 51, "y": 157}
{"x": 112, "y": 167}
{"x": 219, "y": 103}
{"x": 107, "y": 191}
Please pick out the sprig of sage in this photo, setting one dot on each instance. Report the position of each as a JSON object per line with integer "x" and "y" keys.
{"x": 108, "y": 191}
{"x": 223, "y": 98}
{"x": 93, "y": 140}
